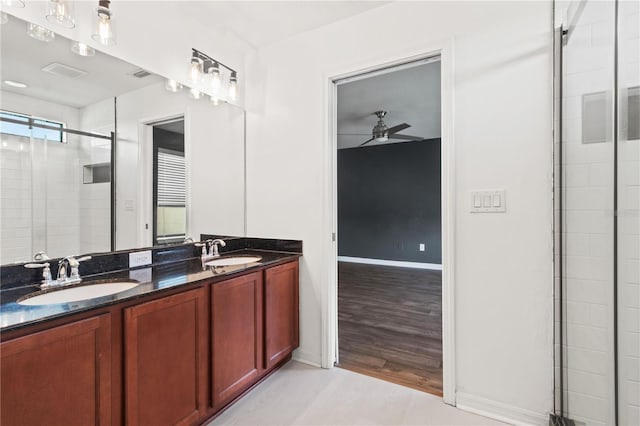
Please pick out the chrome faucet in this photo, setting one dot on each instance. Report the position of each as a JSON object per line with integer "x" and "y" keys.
{"x": 214, "y": 247}
{"x": 210, "y": 248}
{"x": 72, "y": 263}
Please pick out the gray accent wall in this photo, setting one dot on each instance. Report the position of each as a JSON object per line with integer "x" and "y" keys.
{"x": 389, "y": 202}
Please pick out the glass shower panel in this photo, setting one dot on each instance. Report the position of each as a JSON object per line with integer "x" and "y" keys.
{"x": 628, "y": 191}
{"x": 587, "y": 215}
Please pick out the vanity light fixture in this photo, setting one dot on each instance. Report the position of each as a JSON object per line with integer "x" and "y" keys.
{"x": 103, "y": 31}
{"x": 15, "y": 84}
{"x": 195, "y": 69}
{"x": 172, "y": 85}
{"x": 233, "y": 86}
{"x": 61, "y": 13}
{"x": 12, "y": 3}
{"x": 40, "y": 33}
{"x": 82, "y": 49}
{"x": 214, "y": 81}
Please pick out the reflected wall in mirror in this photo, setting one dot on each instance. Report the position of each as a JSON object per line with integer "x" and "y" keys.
{"x": 56, "y": 185}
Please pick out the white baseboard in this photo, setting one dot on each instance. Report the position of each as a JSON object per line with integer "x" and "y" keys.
{"x": 499, "y": 411}
{"x": 398, "y": 263}
{"x": 301, "y": 356}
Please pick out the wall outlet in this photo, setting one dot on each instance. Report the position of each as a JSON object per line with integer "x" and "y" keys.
{"x": 421, "y": 246}
{"x": 139, "y": 258}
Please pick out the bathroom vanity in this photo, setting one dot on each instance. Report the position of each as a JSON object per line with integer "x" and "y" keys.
{"x": 177, "y": 349}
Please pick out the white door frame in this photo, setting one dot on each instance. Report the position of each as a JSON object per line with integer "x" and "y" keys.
{"x": 444, "y": 49}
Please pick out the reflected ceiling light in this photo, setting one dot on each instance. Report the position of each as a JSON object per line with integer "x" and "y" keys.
{"x": 214, "y": 80}
{"x": 61, "y": 13}
{"x": 215, "y": 100}
{"x": 195, "y": 93}
{"x": 4, "y": 18}
{"x": 103, "y": 31}
{"x": 40, "y": 33}
{"x": 82, "y": 49}
{"x": 15, "y": 84}
{"x": 233, "y": 86}
{"x": 12, "y": 3}
{"x": 172, "y": 85}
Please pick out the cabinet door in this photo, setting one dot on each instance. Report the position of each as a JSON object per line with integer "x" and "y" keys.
{"x": 236, "y": 335}
{"x": 165, "y": 360}
{"x": 280, "y": 312}
{"x": 60, "y": 376}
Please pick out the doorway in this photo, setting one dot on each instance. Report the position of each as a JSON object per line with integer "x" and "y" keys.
{"x": 389, "y": 224}
{"x": 169, "y": 183}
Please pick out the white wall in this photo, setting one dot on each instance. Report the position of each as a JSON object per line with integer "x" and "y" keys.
{"x": 214, "y": 144}
{"x": 502, "y": 129}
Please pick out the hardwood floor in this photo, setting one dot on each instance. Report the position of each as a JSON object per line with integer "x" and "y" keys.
{"x": 390, "y": 324}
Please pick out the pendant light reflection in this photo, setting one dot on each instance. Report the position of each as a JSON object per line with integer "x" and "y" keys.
{"x": 172, "y": 86}
{"x": 61, "y": 13}
{"x": 82, "y": 49}
{"x": 12, "y": 3}
{"x": 103, "y": 27}
{"x": 195, "y": 94}
{"x": 40, "y": 33}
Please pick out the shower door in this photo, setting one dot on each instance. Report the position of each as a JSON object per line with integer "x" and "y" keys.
{"x": 598, "y": 220}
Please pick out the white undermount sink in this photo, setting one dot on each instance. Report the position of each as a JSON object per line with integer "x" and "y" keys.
{"x": 78, "y": 293}
{"x": 233, "y": 260}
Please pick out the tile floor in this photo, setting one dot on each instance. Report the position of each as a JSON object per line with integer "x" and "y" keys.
{"x": 300, "y": 394}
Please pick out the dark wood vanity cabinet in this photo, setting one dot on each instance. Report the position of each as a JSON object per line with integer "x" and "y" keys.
{"x": 174, "y": 359}
{"x": 166, "y": 360}
{"x": 60, "y": 376}
{"x": 280, "y": 312}
{"x": 236, "y": 336}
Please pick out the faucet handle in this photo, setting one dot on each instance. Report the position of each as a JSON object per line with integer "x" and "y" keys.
{"x": 204, "y": 248}
{"x": 46, "y": 271}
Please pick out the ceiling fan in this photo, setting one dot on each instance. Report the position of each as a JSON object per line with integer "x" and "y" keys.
{"x": 382, "y": 133}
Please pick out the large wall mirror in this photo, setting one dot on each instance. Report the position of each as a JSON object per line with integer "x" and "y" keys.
{"x": 98, "y": 155}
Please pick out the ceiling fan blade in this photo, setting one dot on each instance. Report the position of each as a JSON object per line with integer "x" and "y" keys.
{"x": 406, "y": 137}
{"x": 366, "y": 142}
{"x": 398, "y": 128}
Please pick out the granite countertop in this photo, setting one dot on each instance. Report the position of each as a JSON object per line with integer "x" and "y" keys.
{"x": 152, "y": 279}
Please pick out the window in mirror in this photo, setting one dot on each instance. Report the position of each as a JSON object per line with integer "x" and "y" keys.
{"x": 169, "y": 183}
{"x": 23, "y": 128}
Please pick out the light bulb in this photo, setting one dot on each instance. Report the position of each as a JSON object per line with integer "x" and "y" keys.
{"x": 172, "y": 86}
{"x": 195, "y": 70}
{"x": 103, "y": 32}
{"x": 215, "y": 80}
{"x": 40, "y": 33}
{"x": 233, "y": 86}
{"x": 61, "y": 13}
{"x": 195, "y": 94}
{"x": 82, "y": 49}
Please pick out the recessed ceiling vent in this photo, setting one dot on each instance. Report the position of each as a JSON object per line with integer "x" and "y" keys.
{"x": 63, "y": 70}
{"x": 141, "y": 73}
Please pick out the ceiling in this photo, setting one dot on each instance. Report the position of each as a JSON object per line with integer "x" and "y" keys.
{"x": 409, "y": 95}
{"x": 172, "y": 126}
{"x": 22, "y": 60}
{"x": 260, "y": 23}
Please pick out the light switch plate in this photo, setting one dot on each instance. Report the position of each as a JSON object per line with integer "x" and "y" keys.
{"x": 139, "y": 258}
{"x": 488, "y": 201}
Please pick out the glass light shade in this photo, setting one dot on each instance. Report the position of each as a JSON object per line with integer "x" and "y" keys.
{"x": 233, "y": 87}
{"x": 61, "y": 13}
{"x": 40, "y": 33}
{"x": 12, "y": 3}
{"x": 172, "y": 86}
{"x": 82, "y": 49}
{"x": 103, "y": 27}
{"x": 382, "y": 139}
{"x": 215, "y": 100}
{"x": 215, "y": 80}
{"x": 4, "y": 18}
{"x": 195, "y": 94}
{"x": 195, "y": 70}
